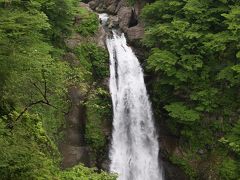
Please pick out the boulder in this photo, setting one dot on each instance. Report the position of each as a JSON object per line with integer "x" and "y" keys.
{"x": 93, "y": 4}
{"x": 127, "y": 18}
{"x": 112, "y": 8}
{"x": 124, "y": 15}
{"x": 113, "y": 22}
{"x": 121, "y": 3}
{"x": 100, "y": 9}
{"x": 138, "y": 6}
{"x": 73, "y": 155}
{"x": 135, "y": 33}
{"x": 100, "y": 37}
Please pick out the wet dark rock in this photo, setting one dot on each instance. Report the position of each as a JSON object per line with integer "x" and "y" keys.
{"x": 133, "y": 20}
{"x": 73, "y": 147}
{"x": 84, "y": 5}
{"x": 169, "y": 145}
{"x": 106, "y": 164}
{"x": 73, "y": 155}
{"x": 173, "y": 172}
{"x": 100, "y": 9}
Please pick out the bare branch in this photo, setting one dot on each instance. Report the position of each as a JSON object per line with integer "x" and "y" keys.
{"x": 45, "y": 85}
{"x": 43, "y": 101}
{"x": 35, "y": 85}
{"x": 27, "y": 107}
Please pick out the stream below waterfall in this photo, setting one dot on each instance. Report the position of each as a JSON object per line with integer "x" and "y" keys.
{"x": 134, "y": 147}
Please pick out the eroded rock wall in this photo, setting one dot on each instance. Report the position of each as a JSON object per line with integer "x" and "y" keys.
{"x": 124, "y": 15}
{"x": 73, "y": 147}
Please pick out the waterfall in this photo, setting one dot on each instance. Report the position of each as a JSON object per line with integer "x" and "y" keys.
{"x": 134, "y": 147}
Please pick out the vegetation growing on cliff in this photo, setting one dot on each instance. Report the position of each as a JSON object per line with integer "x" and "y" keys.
{"x": 89, "y": 22}
{"x": 94, "y": 60}
{"x": 34, "y": 81}
{"x": 195, "y": 60}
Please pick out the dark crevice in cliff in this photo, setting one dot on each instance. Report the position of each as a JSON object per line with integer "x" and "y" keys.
{"x": 133, "y": 19}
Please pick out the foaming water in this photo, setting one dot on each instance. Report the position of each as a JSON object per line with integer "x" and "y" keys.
{"x": 134, "y": 149}
{"x": 104, "y": 18}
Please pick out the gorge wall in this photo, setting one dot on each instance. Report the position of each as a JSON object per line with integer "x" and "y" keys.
{"x": 74, "y": 148}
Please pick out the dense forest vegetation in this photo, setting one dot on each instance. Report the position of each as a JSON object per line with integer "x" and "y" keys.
{"x": 195, "y": 63}
{"x": 34, "y": 82}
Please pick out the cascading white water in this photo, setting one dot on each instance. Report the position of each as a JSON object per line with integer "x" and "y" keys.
{"x": 134, "y": 148}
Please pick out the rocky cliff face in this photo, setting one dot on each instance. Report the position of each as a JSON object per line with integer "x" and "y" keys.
{"x": 74, "y": 148}
{"x": 123, "y": 16}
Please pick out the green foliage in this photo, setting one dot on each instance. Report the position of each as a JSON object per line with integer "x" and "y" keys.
{"x": 28, "y": 151}
{"x": 232, "y": 140}
{"x": 31, "y": 80}
{"x": 83, "y": 173}
{"x": 162, "y": 60}
{"x": 98, "y": 111}
{"x": 94, "y": 65}
{"x": 60, "y": 14}
{"x": 34, "y": 81}
{"x": 207, "y": 99}
{"x": 182, "y": 113}
{"x": 19, "y": 25}
{"x": 229, "y": 170}
{"x": 88, "y": 24}
{"x": 194, "y": 60}
{"x": 30, "y": 154}
{"x": 94, "y": 59}
{"x": 131, "y": 2}
{"x": 30, "y": 73}
{"x": 185, "y": 166}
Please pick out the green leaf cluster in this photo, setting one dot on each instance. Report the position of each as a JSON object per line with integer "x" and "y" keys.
{"x": 94, "y": 59}
{"x": 83, "y": 173}
{"x": 182, "y": 113}
{"x": 182, "y": 163}
{"x": 89, "y": 22}
{"x": 194, "y": 59}
{"x": 28, "y": 151}
{"x": 34, "y": 81}
{"x": 229, "y": 169}
{"x": 98, "y": 114}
